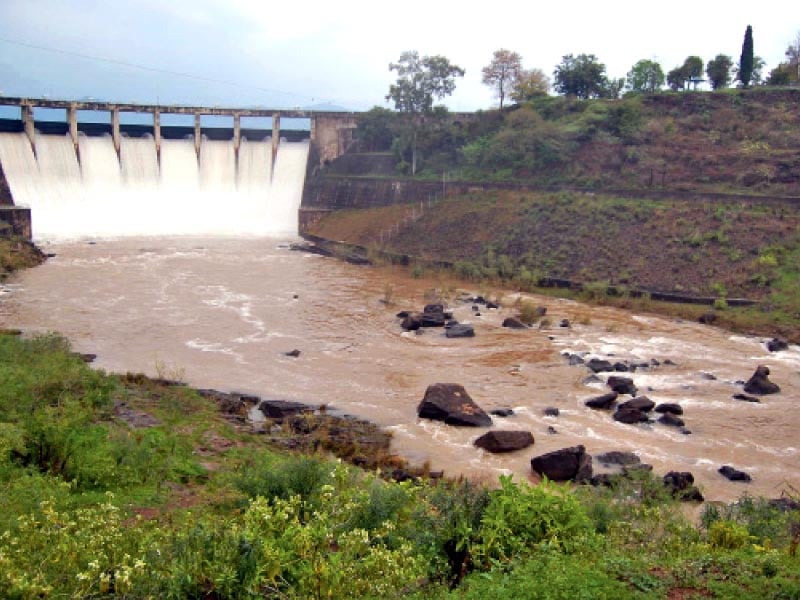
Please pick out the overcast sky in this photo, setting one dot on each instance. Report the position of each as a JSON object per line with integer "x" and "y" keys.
{"x": 302, "y": 53}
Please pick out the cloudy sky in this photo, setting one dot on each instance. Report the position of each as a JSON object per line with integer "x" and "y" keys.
{"x": 308, "y": 52}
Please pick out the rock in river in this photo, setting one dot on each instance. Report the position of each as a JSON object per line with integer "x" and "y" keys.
{"x": 567, "y": 464}
{"x": 642, "y": 403}
{"x": 604, "y": 402}
{"x": 513, "y": 323}
{"x": 630, "y": 416}
{"x": 777, "y": 344}
{"x": 621, "y": 385}
{"x": 760, "y": 384}
{"x": 733, "y": 474}
{"x": 449, "y": 402}
{"x": 504, "y": 441}
{"x": 460, "y": 330}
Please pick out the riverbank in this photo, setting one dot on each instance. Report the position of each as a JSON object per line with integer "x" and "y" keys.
{"x": 18, "y": 253}
{"x": 714, "y": 251}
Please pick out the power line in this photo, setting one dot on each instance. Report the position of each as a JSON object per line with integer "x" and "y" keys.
{"x": 154, "y": 69}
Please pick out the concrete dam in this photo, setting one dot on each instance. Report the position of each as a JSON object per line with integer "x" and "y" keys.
{"x": 111, "y": 179}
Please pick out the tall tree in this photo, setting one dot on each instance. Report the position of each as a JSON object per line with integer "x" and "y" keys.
{"x": 419, "y": 81}
{"x": 746, "y": 59}
{"x": 693, "y": 66}
{"x": 793, "y": 58}
{"x": 718, "y": 71}
{"x": 676, "y": 79}
{"x": 645, "y": 76}
{"x": 788, "y": 72}
{"x": 503, "y": 72}
{"x": 688, "y": 73}
{"x": 582, "y": 76}
{"x": 530, "y": 84}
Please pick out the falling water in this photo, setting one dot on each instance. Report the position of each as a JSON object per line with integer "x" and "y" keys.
{"x": 96, "y": 192}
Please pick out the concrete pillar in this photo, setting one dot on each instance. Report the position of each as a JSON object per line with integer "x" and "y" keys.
{"x": 276, "y": 137}
{"x": 197, "y": 134}
{"x": 157, "y": 135}
{"x": 313, "y": 129}
{"x": 115, "y": 128}
{"x": 72, "y": 119}
{"x": 237, "y": 132}
{"x": 28, "y": 125}
{"x": 237, "y": 141}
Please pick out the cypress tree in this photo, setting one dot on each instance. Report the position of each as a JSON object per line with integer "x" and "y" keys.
{"x": 746, "y": 60}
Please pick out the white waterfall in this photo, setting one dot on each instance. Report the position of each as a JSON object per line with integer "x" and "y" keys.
{"x": 95, "y": 192}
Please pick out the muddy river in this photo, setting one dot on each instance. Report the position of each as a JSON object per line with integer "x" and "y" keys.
{"x": 222, "y": 313}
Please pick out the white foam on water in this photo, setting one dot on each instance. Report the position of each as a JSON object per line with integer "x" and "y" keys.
{"x": 130, "y": 194}
{"x": 20, "y": 167}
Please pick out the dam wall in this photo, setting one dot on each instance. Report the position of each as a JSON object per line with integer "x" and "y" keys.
{"x": 112, "y": 178}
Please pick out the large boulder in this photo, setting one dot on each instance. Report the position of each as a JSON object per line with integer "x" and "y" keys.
{"x": 671, "y": 420}
{"x": 777, "y": 344}
{"x": 513, "y": 323}
{"x": 460, "y": 330}
{"x": 733, "y": 474}
{"x": 642, "y": 403}
{"x": 630, "y": 416}
{"x": 604, "y": 402}
{"x": 280, "y": 409}
{"x": 449, "y": 402}
{"x": 598, "y": 365}
{"x": 621, "y": 385}
{"x": 760, "y": 384}
{"x": 567, "y": 464}
{"x": 504, "y": 441}
{"x": 411, "y": 322}
{"x": 432, "y": 319}
{"x": 669, "y": 407}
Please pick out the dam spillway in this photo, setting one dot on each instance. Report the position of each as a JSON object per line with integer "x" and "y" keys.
{"x": 93, "y": 191}
{"x": 91, "y": 179}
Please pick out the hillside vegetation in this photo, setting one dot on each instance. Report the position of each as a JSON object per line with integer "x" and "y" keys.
{"x": 740, "y": 141}
{"x": 124, "y": 487}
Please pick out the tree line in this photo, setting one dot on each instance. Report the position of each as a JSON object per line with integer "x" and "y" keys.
{"x": 421, "y": 80}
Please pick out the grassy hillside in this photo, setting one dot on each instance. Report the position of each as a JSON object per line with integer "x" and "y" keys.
{"x": 124, "y": 487}
{"x": 741, "y": 141}
{"x": 717, "y": 249}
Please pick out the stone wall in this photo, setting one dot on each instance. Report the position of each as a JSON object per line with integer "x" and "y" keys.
{"x": 337, "y": 192}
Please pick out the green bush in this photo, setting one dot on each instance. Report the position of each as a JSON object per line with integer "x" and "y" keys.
{"x": 545, "y": 576}
{"x": 520, "y": 519}
{"x": 728, "y": 535}
{"x": 273, "y": 478}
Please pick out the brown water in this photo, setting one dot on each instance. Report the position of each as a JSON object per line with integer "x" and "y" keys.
{"x": 222, "y": 312}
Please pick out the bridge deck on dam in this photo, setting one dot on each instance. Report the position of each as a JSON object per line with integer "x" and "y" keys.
{"x": 95, "y": 105}
{"x": 169, "y": 132}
